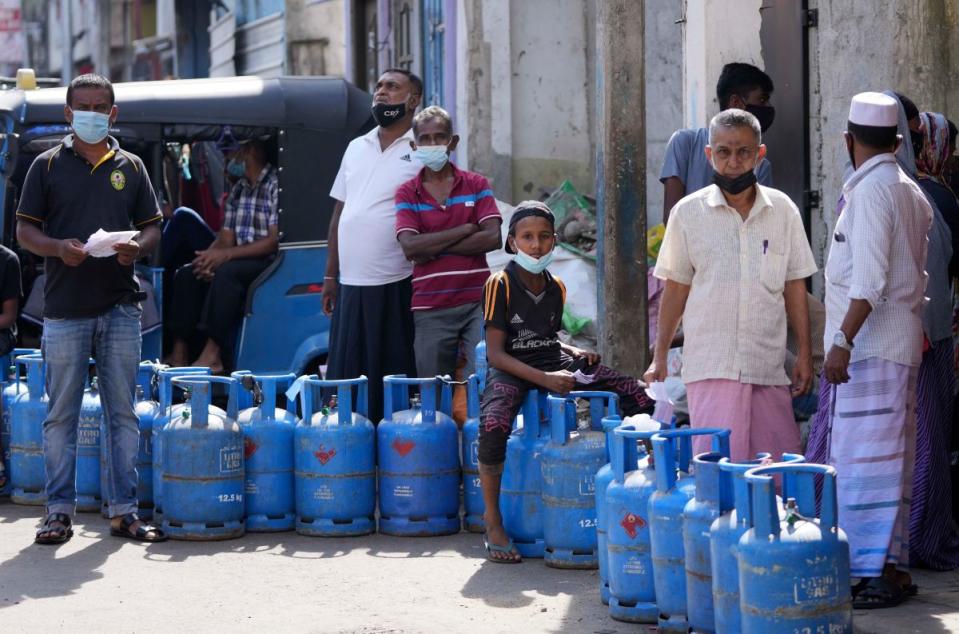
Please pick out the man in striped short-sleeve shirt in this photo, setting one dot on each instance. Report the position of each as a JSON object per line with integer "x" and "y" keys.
{"x": 446, "y": 222}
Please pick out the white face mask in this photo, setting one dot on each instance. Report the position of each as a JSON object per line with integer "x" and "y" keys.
{"x": 434, "y": 157}
{"x": 531, "y": 264}
{"x": 90, "y": 127}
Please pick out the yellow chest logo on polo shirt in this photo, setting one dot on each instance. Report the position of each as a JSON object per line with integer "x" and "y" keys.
{"x": 118, "y": 180}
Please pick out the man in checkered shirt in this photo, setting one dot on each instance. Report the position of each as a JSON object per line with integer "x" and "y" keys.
{"x": 208, "y": 294}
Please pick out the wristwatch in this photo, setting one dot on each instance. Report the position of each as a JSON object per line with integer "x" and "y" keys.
{"x": 839, "y": 340}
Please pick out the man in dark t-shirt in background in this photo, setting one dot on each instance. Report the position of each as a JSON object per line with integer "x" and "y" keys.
{"x": 91, "y": 304}
{"x": 523, "y": 310}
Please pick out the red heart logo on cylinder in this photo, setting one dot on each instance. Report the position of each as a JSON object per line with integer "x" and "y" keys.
{"x": 403, "y": 447}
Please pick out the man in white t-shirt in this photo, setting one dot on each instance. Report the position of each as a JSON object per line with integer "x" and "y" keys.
{"x": 367, "y": 287}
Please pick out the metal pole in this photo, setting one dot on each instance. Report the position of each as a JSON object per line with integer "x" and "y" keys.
{"x": 621, "y": 185}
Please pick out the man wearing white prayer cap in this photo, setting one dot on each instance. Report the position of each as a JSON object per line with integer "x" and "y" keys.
{"x": 875, "y": 282}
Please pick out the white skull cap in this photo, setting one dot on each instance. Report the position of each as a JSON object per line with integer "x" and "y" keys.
{"x": 874, "y": 109}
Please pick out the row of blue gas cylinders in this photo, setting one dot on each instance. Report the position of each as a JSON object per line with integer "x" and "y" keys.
{"x": 706, "y": 545}
{"x": 206, "y": 473}
{"x": 673, "y": 543}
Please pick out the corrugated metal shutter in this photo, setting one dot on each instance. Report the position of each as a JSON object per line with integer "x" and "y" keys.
{"x": 223, "y": 46}
{"x": 261, "y": 47}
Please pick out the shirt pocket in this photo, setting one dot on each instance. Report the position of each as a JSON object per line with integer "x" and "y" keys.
{"x": 839, "y": 260}
{"x": 772, "y": 272}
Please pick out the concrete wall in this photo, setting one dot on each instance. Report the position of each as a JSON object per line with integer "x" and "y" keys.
{"x": 550, "y": 93}
{"x": 664, "y": 93}
{"x": 528, "y": 94}
{"x": 316, "y": 37}
{"x": 716, "y": 32}
{"x": 866, "y": 45}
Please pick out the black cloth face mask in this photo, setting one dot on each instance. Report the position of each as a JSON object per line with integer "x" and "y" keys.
{"x": 765, "y": 115}
{"x": 735, "y": 185}
{"x": 386, "y": 114}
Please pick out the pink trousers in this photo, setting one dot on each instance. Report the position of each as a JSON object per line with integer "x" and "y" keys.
{"x": 760, "y": 417}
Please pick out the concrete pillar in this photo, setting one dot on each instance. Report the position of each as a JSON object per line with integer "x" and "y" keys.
{"x": 621, "y": 185}
{"x": 716, "y": 32}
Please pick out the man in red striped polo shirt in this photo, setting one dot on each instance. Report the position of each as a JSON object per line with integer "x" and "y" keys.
{"x": 446, "y": 222}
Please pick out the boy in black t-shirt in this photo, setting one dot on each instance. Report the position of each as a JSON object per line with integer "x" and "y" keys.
{"x": 523, "y": 311}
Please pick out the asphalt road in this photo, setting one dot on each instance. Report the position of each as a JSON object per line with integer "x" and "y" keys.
{"x": 286, "y": 582}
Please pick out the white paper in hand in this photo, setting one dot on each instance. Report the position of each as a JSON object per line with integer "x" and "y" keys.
{"x": 583, "y": 379}
{"x": 100, "y": 244}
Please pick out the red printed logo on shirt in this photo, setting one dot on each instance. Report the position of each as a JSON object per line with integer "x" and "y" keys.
{"x": 403, "y": 447}
{"x": 631, "y": 522}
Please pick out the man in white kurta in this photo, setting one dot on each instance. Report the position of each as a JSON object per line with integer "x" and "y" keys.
{"x": 875, "y": 281}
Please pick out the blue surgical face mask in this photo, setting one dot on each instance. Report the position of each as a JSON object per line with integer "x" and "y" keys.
{"x": 91, "y": 127}
{"x": 236, "y": 168}
{"x": 531, "y": 264}
{"x": 434, "y": 157}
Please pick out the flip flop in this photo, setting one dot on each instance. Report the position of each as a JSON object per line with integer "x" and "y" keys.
{"x": 509, "y": 549}
{"x": 878, "y": 593}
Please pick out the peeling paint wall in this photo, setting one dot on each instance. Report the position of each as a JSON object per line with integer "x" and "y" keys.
{"x": 664, "y": 93}
{"x": 866, "y": 45}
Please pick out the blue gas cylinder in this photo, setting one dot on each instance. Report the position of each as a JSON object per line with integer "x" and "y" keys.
{"x": 603, "y": 477}
{"x": 268, "y": 452}
{"x": 570, "y": 462}
{"x": 147, "y": 411}
{"x": 88, "y": 449}
{"x": 794, "y": 569}
{"x": 631, "y": 588}
{"x": 419, "y": 462}
{"x": 165, "y": 393}
{"x": 521, "y": 487}
{"x": 472, "y": 491}
{"x": 724, "y": 535}
{"x": 27, "y": 414}
{"x": 203, "y": 475}
{"x": 12, "y": 386}
{"x": 335, "y": 459}
{"x": 698, "y": 517}
{"x": 674, "y": 489}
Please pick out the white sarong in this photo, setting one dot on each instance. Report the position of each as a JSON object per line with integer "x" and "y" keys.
{"x": 873, "y": 448}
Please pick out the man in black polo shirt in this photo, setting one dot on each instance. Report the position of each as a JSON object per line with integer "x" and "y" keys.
{"x": 523, "y": 310}
{"x": 91, "y": 304}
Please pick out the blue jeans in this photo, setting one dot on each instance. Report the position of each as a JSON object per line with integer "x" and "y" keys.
{"x": 113, "y": 339}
